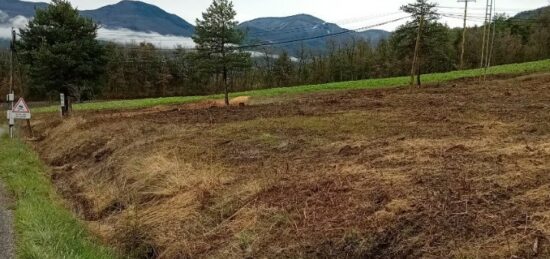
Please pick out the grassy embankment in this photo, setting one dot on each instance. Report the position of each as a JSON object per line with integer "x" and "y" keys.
{"x": 529, "y": 67}
{"x": 44, "y": 228}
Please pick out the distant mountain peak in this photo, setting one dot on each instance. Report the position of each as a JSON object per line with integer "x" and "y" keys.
{"x": 132, "y": 5}
{"x": 302, "y": 26}
{"x": 140, "y": 16}
{"x": 305, "y": 17}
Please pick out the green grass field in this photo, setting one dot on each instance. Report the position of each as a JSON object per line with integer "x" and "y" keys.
{"x": 44, "y": 228}
{"x": 530, "y": 67}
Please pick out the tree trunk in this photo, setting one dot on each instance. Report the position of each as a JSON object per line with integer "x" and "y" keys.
{"x": 226, "y": 90}
{"x": 417, "y": 48}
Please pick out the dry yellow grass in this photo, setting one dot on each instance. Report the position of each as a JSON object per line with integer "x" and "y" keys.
{"x": 451, "y": 171}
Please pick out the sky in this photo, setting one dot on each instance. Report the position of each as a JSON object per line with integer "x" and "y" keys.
{"x": 350, "y": 14}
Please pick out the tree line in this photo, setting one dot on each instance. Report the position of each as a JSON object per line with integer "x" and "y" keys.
{"x": 142, "y": 70}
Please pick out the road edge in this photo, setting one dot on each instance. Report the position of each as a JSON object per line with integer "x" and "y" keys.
{"x": 7, "y": 248}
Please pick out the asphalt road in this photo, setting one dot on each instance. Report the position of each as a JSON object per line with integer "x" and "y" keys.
{"x": 6, "y": 230}
{"x": 6, "y": 221}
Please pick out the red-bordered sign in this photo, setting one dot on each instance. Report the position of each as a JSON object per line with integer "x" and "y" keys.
{"x": 20, "y": 110}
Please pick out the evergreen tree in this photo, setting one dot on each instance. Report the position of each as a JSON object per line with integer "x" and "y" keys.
{"x": 61, "y": 52}
{"x": 217, "y": 38}
{"x": 432, "y": 37}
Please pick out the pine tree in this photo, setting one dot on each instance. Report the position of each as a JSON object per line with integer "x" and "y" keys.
{"x": 217, "y": 38}
{"x": 61, "y": 52}
{"x": 425, "y": 31}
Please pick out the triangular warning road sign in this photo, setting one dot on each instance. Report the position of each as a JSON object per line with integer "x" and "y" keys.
{"x": 21, "y": 107}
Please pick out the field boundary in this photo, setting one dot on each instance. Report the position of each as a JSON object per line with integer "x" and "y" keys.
{"x": 520, "y": 68}
{"x": 44, "y": 228}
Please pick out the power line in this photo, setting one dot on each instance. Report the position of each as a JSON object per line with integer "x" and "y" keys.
{"x": 275, "y": 32}
{"x": 481, "y": 9}
{"x": 475, "y": 19}
{"x": 283, "y": 42}
{"x": 321, "y": 36}
{"x": 271, "y": 32}
{"x": 251, "y": 46}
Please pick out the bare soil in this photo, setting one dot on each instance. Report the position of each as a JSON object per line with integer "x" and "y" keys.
{"x": 459, "y": 170}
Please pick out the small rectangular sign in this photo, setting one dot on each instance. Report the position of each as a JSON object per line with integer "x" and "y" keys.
{"x": 62, "y": 99}
{"x": 11, "y": 119}
{"x": 21, "y": 116}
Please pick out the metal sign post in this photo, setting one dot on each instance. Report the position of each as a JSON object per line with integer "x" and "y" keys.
{"x": 11, "y": 121}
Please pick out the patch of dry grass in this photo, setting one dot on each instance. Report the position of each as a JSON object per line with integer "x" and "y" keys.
{"x": 438, "y": 172}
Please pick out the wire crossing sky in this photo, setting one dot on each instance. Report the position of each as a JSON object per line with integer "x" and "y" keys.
{"x": 349, "y": 14}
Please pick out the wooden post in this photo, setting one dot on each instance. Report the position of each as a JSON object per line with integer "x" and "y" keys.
{"x": 30, "y": 128}
{"x": 488, "y": 40}
{"x": 492, "y": 44}
{"x": 417, "y": 48}
{"x": 11, "y": 94}
{"x": 464, "y": 35}
{"x": 484, "y": 36}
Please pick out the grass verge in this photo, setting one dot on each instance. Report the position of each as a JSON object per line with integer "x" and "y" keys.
{"x": 529, "y": 67}
{"x": 44, "y": 228}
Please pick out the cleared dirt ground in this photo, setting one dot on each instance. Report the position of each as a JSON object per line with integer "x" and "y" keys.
{"x": 458, "y": 170}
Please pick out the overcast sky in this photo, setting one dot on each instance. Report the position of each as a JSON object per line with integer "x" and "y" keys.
{"x": 350, "y": 14}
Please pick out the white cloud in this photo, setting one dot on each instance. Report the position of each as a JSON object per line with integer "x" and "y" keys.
{"x": 126, "y": 36}
{"x": 258, "y": 54}
{"x": 7, "y": 23}
{"x": 19, "y": 21}
{"x": 123, "y": 36}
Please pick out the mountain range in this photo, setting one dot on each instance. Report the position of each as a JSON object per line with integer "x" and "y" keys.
{"x": 146, "y": 18}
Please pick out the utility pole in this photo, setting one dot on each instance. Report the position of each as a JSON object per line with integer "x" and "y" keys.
{"x": 486, "y": 33}
{"x": 11, "y": 96}
{"x": 489, "y": 59}
{"x": 417, "y": 46}
{"x": 463, "y": 49}
{"x": 488, "y": 40}
{"x": 485, "y": 25}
